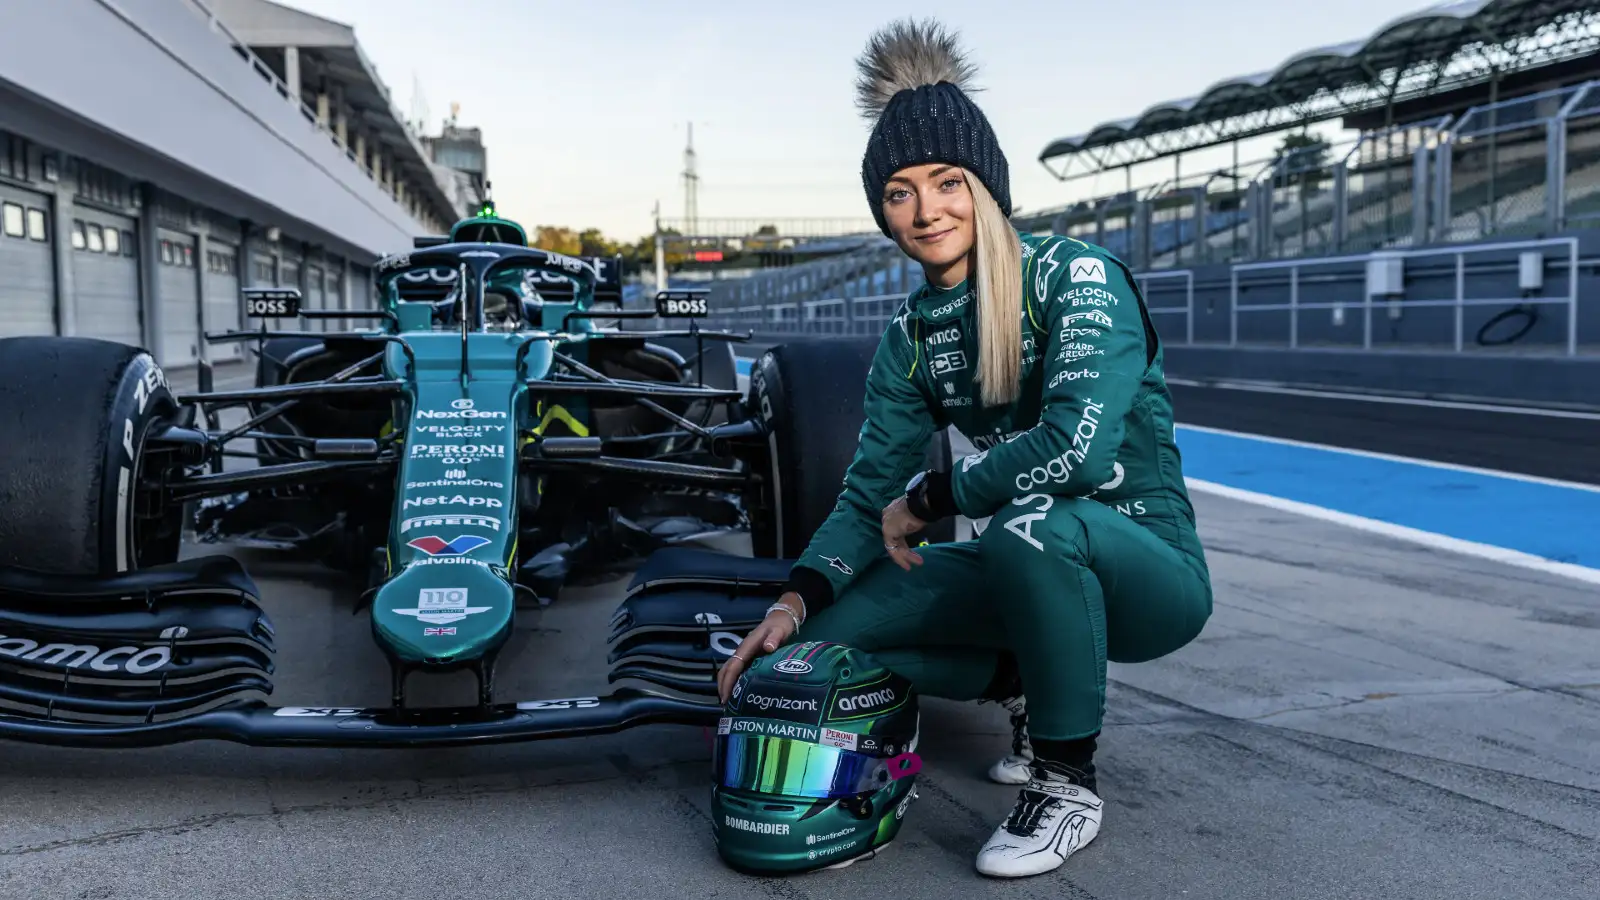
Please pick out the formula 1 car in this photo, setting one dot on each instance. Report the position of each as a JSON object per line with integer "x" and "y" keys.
{"x": 468, "y": 454}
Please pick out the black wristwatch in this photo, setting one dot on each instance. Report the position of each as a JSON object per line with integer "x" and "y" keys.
{"x": 917, "y": 497}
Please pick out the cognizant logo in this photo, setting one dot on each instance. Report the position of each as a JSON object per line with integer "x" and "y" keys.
{"x": 764, "y": 703}
{"x": 1059, "y": 470}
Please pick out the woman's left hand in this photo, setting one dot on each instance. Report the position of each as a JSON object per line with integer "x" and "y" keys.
{"x": 897, "y": 523}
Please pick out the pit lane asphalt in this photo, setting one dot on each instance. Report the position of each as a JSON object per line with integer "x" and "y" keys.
{"x": 1361, "y": 718}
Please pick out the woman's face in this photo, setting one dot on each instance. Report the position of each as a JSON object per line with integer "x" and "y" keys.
{"x": 929, "y": 212}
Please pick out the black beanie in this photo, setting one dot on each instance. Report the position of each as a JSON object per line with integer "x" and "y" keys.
{"x": 912, "y": 77}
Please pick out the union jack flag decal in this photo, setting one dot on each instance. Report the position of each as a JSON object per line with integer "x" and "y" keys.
{"x": 428, "y": 632}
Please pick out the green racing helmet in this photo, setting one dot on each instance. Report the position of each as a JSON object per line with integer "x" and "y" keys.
{"x": 814, "y": 761}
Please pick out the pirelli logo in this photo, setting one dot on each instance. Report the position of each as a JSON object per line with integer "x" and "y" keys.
{"x": 435, "y": 521}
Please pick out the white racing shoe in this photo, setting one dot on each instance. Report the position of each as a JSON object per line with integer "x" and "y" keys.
{"x": 1013, "y": 769}
{"x": 1053, "y": 819}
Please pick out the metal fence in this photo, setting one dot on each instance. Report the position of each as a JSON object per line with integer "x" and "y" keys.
{"x": 1438, "y": 295}
{"x": 1505, "y": 171}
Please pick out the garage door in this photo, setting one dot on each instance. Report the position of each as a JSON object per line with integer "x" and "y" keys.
{"x": 180, "y": 298}
{"x": 105, "y": 277}
{"x": 316, "y": 296}
{"x": 222, "y": 297}
{"x": 26, "y": 268}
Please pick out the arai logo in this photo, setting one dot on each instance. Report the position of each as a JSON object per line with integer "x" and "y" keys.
{"x": 792, "y": 667}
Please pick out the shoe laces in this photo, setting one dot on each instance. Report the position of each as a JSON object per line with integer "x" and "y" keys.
{"x": 1033, "y": 811}
{"x": 1019, "y": 733}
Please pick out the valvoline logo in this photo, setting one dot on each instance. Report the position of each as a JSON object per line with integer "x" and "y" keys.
{"x": 436, "y": 546}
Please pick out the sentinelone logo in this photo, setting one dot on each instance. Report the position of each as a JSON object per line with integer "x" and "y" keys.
{"x": 755, "y": 827}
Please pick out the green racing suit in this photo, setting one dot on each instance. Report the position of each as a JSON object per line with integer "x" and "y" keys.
{"x": 1089, "y": 551}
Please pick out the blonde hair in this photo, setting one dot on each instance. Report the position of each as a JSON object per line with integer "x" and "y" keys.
{"x": 997, "y": 282}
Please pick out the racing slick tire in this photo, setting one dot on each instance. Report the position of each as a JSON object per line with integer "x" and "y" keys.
{"x": 809, "y": 394}
{"x": 77, "y": 412}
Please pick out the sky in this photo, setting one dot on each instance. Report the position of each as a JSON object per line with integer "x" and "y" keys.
{"x": 584, "y": 106}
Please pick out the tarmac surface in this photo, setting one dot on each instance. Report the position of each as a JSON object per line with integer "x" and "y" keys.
{"x": 1359, "y": 719}
{"x": 1362, "y": 718}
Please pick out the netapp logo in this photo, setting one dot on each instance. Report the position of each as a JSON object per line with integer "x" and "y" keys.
{"x": 755, "y": 827}
{"x": 866, "y": 701}
{"x": 459, "y": 499}
{"x": 764, "y": 703}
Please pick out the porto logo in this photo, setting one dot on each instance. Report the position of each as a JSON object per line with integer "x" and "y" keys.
{"x": 792, "y": 667}
{"x": 436, "y": 546}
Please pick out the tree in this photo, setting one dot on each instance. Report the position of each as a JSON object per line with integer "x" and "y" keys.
{"x": 1304, "y": 158}
{"x": 558, "y": 240}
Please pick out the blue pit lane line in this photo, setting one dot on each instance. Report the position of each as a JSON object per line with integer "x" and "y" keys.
{"x": 1557, "y": 521}
{"x": 1546, "y": 519}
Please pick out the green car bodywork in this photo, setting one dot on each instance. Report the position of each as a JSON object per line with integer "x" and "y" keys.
{"x": 450, "y": 592}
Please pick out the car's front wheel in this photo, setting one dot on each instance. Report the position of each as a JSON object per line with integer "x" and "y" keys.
{"x": 77, "y": 412}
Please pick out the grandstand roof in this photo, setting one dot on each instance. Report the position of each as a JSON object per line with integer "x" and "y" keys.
{"x": 1443, "y": 46}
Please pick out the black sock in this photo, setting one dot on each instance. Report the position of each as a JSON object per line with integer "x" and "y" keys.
{"x": 1074, "y": 759}
{"x": 1007, "y": 681}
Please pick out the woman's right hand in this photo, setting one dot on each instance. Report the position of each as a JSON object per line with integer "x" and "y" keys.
{"x": 765, "y": 638}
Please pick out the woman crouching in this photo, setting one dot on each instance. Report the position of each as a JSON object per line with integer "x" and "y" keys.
{"x": 1041, "y": 352}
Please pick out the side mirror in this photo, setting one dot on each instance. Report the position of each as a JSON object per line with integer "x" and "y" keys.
{"x": 684, "y": 303}
{"x": 271, "y": 302}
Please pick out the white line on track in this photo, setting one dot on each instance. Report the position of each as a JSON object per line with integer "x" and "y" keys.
{"x": 1389, "y": 398}
{"x": 1401, "y": 532}
{"x": 1390, "y": 457}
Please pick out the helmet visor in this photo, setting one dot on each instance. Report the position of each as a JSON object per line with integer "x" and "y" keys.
{"x": 772, "y": 765}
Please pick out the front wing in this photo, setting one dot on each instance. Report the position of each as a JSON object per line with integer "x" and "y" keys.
{"x": 182, "y": 652}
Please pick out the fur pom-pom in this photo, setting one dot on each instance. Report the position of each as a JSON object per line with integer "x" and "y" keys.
{"x": 908, "y": 54}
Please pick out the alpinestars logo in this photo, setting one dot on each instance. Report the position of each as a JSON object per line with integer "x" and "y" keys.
{"x": 840, "y": 564}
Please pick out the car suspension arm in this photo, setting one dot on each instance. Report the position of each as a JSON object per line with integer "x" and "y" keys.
{"x": 218, "y": 484}
{"x": 693, "y": 428}
{"x": 569, "y": 385}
